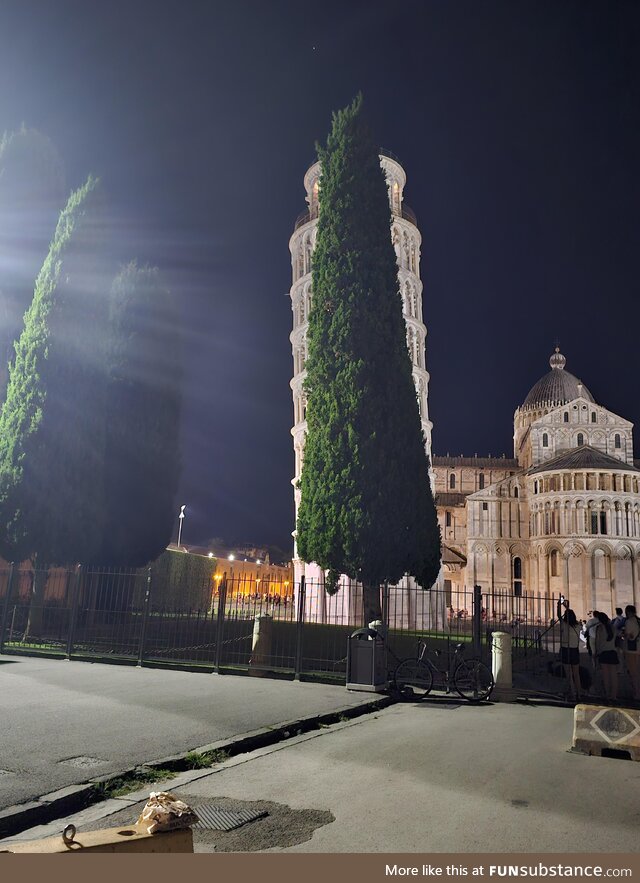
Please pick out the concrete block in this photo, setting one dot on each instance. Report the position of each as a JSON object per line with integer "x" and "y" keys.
{"x": 606, "y": 731}
{"x": 133, "y": 838}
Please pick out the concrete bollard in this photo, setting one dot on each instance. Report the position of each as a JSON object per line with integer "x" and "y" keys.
{"x": 501, "y": 662}
{"x": 261, "y": 646}
{"x": 606, "y": 731}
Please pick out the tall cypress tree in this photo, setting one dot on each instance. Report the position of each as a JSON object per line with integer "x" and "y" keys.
{"x": 143, "y": 418}
{"x": 31, "y": 197}
{"x": 366, "y": 506}
{"x": 52, "y": 421}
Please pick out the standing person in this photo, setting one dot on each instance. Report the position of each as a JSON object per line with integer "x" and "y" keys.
{"x": 569, "y": 646}
{"x": 589, "y": 632}
{"x": 617, "y": 624}
{"x": 632, "y": 648}
{"x": 606, "y": 654}
{"x": 618, "y": 620}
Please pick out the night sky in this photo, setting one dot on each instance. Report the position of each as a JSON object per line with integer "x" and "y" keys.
{"x": 517, "y": 124}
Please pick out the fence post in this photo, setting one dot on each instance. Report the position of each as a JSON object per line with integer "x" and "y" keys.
{"x": 477, "y": 619}
{"x": 385, "y": 605}
{"x": 145, "y": 617}
{"x": 222, "y": 604}
{"x": 5, "y": 609}
{"x": 299, "y": 627}
{"x": 75, "y": 594}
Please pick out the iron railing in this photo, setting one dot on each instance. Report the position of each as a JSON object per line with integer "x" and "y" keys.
{"x": 90, "y": 613}
{"x": 121, "y": 615}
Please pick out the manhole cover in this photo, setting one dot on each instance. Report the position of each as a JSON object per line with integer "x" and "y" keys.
{"x": 215, "y": 818}
{"x": 83, "y": 762}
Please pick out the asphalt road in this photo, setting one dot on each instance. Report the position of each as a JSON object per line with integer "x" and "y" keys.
{"x": 419, "y": 778}
{"x": 414, "y": 778}
{"x": 62, "y": 723}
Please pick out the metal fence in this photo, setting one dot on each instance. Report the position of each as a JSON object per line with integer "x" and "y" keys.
{"x": 122, "y": 616}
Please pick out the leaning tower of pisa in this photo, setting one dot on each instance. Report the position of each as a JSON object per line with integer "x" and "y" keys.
{"x": 406, "y": 240}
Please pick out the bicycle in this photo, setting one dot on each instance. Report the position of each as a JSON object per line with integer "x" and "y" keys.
{"x": 414, "y": 677}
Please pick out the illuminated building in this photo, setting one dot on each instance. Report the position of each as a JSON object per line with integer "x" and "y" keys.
{"x": 561, "y": 517}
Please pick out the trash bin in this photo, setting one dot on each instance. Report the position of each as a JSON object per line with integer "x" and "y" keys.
{"x": 366, "y": 661}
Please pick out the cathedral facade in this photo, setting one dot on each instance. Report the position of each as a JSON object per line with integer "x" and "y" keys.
{"x": 561, "y": 517}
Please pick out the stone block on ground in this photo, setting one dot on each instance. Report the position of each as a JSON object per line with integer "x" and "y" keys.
{"x": 606, "y": 731}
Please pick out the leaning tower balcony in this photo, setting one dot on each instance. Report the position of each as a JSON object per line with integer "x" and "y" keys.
{"x": 405, "y": 212}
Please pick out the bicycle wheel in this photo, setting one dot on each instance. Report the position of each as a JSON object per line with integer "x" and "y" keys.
{"x": 473, "y": 680}
{"x": 413, "y": 679}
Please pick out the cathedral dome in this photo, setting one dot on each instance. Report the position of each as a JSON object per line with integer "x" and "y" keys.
{"x": 556, "y": 388}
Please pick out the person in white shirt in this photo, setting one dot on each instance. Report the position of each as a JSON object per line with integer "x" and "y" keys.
{"x": 631, "y": 636}
{"x": 589, "y": 632}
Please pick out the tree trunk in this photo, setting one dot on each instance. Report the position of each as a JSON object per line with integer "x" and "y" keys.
{"x": 34, "y": 622}
{"x": 371, "y": 602}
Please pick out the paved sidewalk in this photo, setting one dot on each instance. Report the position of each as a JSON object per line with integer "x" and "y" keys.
{"x": 415, "y": 778}
{"x": 63, "y": 723}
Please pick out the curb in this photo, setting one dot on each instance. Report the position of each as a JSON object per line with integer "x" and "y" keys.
{"x": 50, "y": 806}
{"x": 20, "y": 817}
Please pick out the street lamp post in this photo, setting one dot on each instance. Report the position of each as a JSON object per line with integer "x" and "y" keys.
{"x": 180, "y": 523}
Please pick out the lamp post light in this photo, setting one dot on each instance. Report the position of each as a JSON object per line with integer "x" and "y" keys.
{"x": 180, "y": 523}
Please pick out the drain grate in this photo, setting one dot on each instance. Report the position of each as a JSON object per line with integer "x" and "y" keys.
{"x": 215, "y": 818}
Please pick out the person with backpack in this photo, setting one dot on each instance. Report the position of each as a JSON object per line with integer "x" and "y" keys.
{"x": 569, "y": 646}
{"x": 632, "y": 648}
{"x": 606, "y": 654}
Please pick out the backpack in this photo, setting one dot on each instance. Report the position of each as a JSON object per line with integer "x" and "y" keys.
{"x": 631, "y": 644}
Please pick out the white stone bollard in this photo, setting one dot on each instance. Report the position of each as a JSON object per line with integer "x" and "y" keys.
{"x": 501, "y": 660}
{"x": 261, "y": 645}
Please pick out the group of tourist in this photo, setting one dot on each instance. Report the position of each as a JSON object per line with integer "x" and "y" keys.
{"x": 610, "y": 644}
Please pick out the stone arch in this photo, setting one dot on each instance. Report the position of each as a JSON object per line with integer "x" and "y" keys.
{"x": 406, "y": 251}
{"x": 574, "y": 549}
{"x": 299, "y": 260}
{"x": 406, "y": 298}
{"x": 419, "y": 350}
{"x": 307, "y": 300}
{"x": 419, "y": 391}
{"x": 395, "y": 241}
{"x": 308, "y": 249}
{"x": 623, "y": 552}
{"x": 599, "y": 545}
{"x": 411, "y": 341}
{"x": 602, "y": 556}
